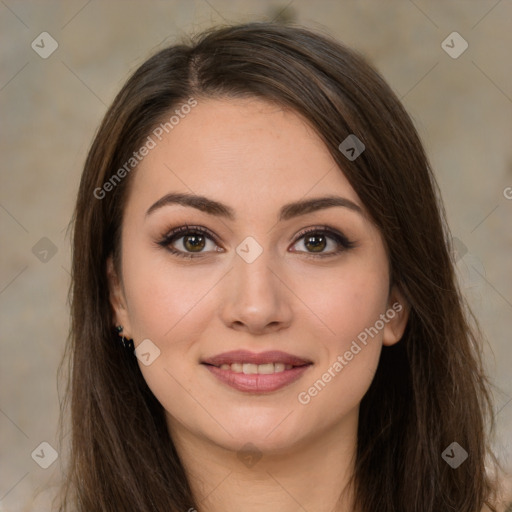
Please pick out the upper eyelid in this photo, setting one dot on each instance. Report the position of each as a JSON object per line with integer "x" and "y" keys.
{"x": 184, "y": 229}
{"x": 180, "y": 232}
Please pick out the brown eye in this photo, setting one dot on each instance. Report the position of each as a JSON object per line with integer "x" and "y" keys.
{"x": 189, "y": 242}
{"x": 317, "y": 240}
{"x": 316, "y": 243}
{"x": 194, "y": 243}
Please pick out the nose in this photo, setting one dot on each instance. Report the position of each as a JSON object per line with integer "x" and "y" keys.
{"x": 256, "y": 297}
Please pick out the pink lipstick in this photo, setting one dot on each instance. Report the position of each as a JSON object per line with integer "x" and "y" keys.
{"x": 257, "y": 372}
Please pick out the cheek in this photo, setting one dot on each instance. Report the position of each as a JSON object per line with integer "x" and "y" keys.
{"x": 160, "y": 295}
{"x": 349, "y": 299}
{"x": 170, "y": 305}
{"x": 350, "y": 305}
{"x": 349, "y": 359}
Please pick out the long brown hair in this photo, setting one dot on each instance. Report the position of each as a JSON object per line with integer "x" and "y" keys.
{"x": 429, "y": 390}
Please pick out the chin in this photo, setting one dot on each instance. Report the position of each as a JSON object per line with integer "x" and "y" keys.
{"x": 269, "y": 434}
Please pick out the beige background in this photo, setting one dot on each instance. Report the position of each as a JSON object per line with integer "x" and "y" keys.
{"x": 50, "y": 109}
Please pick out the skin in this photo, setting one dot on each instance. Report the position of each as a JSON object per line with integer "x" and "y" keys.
{"x": 254, "y": 157}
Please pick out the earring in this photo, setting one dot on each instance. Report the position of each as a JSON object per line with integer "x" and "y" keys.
{"x": 125, "y": 342}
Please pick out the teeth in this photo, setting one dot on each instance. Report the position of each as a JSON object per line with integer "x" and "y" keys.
{"x": 248, "y": 368}
{"x": 266, "y": 368}
{"x": 262, "y": 369}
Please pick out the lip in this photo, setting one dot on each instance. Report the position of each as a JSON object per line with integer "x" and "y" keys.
{"x": 244, "y": 356}
{"x": 257, "y": 383}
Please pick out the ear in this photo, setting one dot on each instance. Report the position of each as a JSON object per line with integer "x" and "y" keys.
{"x": 117, "y": 298}
{"x": 397, "y": 313}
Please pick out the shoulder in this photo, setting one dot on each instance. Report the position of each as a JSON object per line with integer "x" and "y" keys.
{"x": 502, "y": 506}
{"x": 503, "y": 502}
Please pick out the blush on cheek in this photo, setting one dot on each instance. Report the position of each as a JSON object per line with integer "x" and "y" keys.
{"x": 158, "y": 302}
{"x": 349, "y": 314}
{"x": 339, "y": 386}
{"x": 353, "y": 353}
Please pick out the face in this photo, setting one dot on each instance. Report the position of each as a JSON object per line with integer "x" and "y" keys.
{"x": 263, "y": 320}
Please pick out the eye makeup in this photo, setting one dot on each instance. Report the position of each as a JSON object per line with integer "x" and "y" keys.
{"x": 200, "y": 233}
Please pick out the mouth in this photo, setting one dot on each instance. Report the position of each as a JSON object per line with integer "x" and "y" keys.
{"x": 257, "y": 373}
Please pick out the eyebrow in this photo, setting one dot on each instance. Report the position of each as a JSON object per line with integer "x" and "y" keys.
{"x": 288, "y": 211}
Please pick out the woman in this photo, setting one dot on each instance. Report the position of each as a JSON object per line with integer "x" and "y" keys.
{"x": 264, "y": 309}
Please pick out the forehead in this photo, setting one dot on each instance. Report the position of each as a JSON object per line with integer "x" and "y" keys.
{"x": 246, "y": 152}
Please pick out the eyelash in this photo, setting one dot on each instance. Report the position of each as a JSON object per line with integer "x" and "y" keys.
{"x": 171, "y": 237}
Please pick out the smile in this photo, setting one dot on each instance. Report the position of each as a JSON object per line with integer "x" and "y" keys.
{"x": 256, "y": 373}
{"x": 262, "y": 369}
